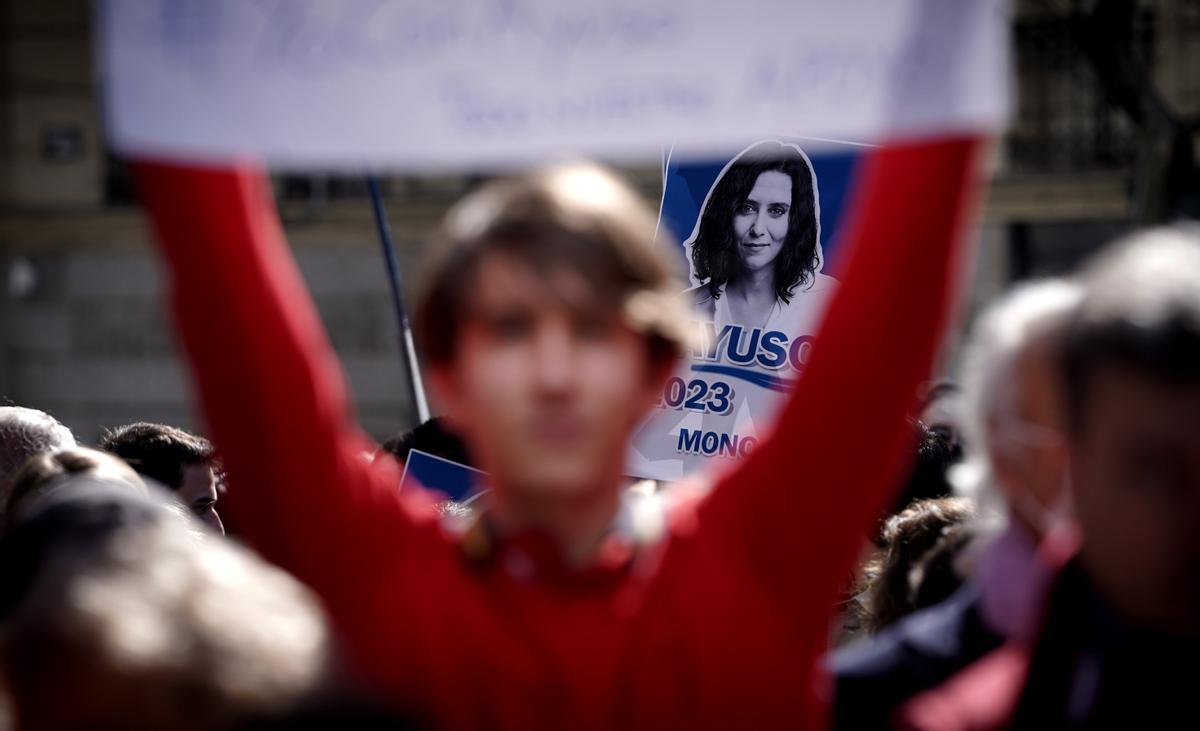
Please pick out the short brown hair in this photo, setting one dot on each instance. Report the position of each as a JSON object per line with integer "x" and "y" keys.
{"x": 579, "y": 217}
{"x": 158, "y": 451}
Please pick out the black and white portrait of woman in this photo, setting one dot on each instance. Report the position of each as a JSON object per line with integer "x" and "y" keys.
{"x": 756, "y": 266}
{"x": 756, "y": 247}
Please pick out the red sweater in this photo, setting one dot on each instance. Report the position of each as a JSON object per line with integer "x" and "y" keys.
{"x": 719, "y": 625}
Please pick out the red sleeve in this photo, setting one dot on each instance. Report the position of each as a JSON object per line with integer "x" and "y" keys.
{"x": 800, "y": 502}
{"x": 270, "y": 387}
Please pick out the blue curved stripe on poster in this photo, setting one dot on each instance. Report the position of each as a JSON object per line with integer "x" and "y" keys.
{"x": 758, "y": 378}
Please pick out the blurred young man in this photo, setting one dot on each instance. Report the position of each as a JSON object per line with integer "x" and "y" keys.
{"x": 1121, "y": 631}
{"x": 549, "y": 323}
{"x": 180, "y": 461}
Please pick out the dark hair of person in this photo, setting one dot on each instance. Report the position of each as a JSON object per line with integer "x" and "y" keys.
{"x": 714, "y": 250}
{"x": 936, "y": 575}
{"x": 431, "y": 437}
{"x": 935, "y": 454}
{"x": 158, "y": 451}
{"x": 934, "y": 390}
{"x": 886, "y": 591}
{"x": 1140, "y": 311}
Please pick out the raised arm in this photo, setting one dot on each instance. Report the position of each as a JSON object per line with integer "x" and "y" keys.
{"x": 269, "y": 383}
{"x": 800, "y": 502}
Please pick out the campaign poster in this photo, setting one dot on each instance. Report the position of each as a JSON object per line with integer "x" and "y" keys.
{"x": 758, "y": 235}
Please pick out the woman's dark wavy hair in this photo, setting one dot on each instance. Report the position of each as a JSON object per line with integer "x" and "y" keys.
{"x": 714, "y": 252}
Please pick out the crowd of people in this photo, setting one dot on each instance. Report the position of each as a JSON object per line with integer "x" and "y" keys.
{"x": 1014, "y": 548}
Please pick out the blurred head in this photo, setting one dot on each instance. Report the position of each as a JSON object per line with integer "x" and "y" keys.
{"x": 549, "y": 323}
{"x": 23, "y": 434}
{"x": 431, "y": 437}
{"x": 939, "y": 572}
{"x": 1132, "y": 364}
{"x": 928, "y": 478}
{"x": 49, "y": 472}
{"x": 942, "y": 411}
{"x": 890, "y": 586}
{"x": 761, "y": 212}
{"x": 1014, "y": 401}
{"x": 182, "y": 462}
{"x": 117, "y": 615}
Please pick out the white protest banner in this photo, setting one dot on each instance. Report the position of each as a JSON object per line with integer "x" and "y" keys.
{"x": 425, "y": 84}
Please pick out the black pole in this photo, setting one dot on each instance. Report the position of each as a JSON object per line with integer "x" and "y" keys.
{"x": 407, "y": 348}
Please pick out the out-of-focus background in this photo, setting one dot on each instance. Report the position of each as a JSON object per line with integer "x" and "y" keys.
{"x": 1105, "y": 136}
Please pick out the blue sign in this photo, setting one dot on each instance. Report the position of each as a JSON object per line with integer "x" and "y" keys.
{"x": 457, "y": 481}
